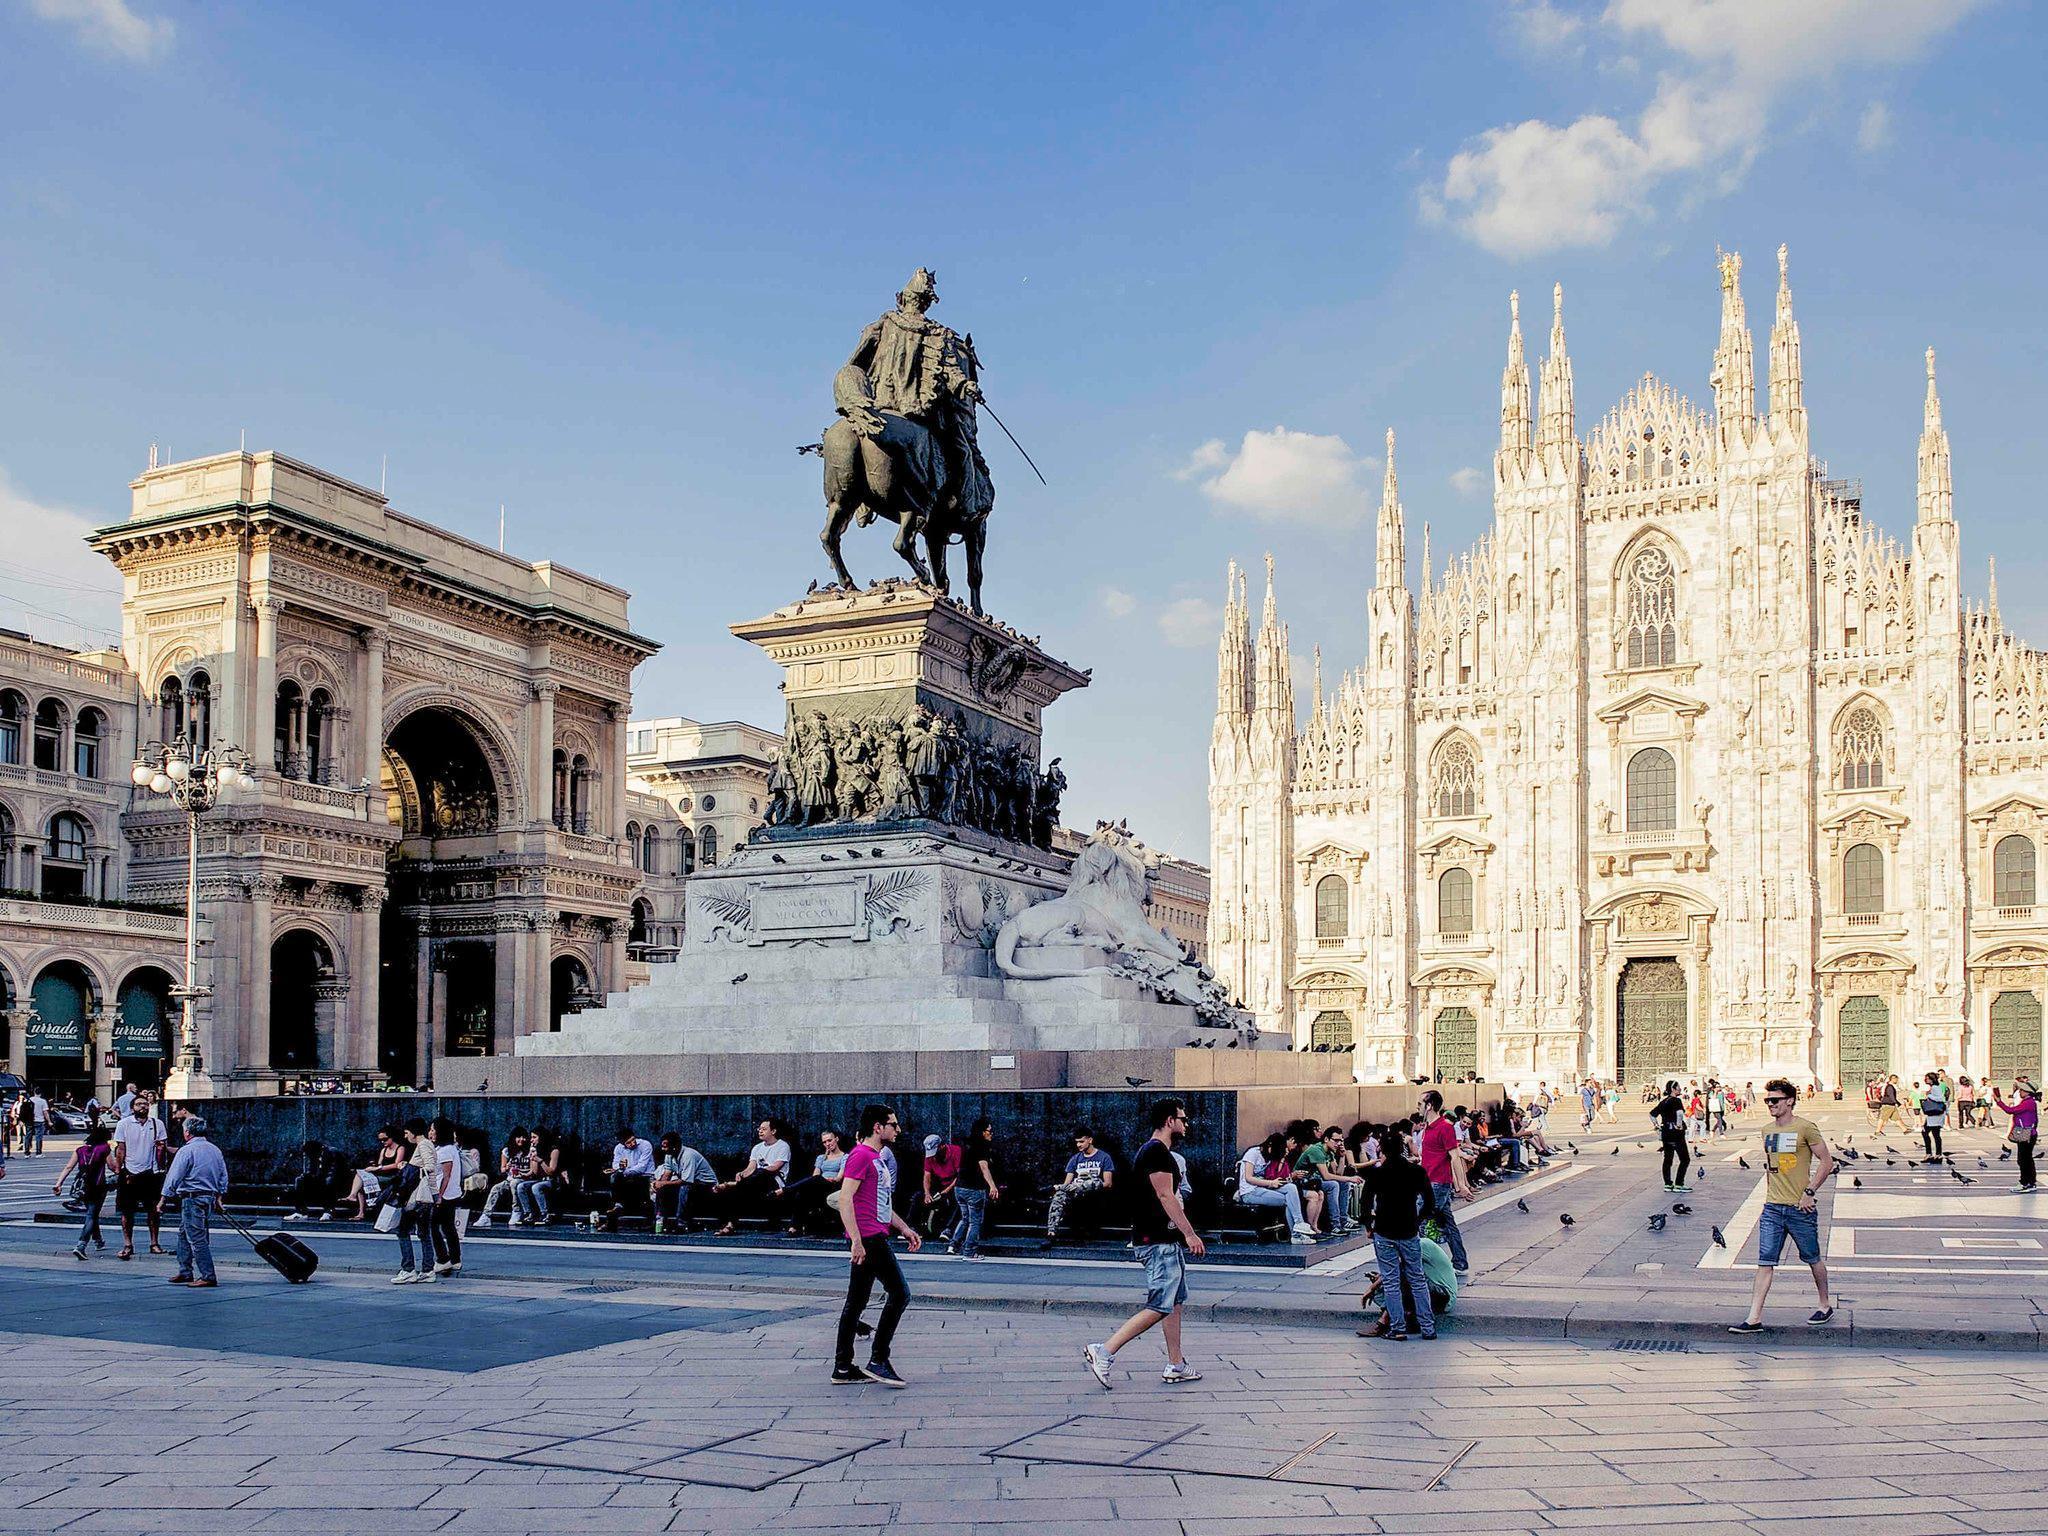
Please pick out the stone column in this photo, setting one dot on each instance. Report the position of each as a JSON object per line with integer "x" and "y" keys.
{"x": 540, "y": 746}
{"x": 371, "y": 761}
{"x": 430, "y": 1002}
{"x": 512, "y": 1000}
{"x": 615, "y": 772}
{"x": 614, "y": 940}
{"x": 17, "y": 1042}
{"x": 359, "y": 1047}
{"x": 252, "y": 1042}
{"x": 258, "y": 719}
{"x": 330, "y": 1009}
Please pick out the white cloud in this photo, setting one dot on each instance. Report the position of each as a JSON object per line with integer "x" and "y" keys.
{"x": 1545, "y": 26}
{"x": 1536, "y": 186}
{"x": 111, "y": 26}
{"x": 1117, "y": 603}
{"x": 1190, "y": 622}
{"x": 1874, "y": 128}
{"x": 51, "y": 585}
{"x": 1283, "y": 476}
{"x": 1466, "y": 481}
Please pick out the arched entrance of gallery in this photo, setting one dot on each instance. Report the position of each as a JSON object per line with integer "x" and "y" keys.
{"x": 145, "y": 1027}
{"x": 568, "y": 987}
{"x": 301, "y": 964}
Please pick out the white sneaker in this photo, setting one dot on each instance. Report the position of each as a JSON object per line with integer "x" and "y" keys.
{"x": 444, "y": 1269}
{"x": 327, "y": 1215}
{"x": 406, "y": 1277}
{"x": 1097, "y": 1359}
{"x": 1304, "y": 1234}
{"x": 481, "y": 1222}
{"x": 1176, "y": 1375}
{"x": 427, "y": 1276}
{"x": 516, "y": 1221}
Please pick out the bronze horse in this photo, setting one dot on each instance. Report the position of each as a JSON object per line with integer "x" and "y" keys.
{"x": 900, "y": 474}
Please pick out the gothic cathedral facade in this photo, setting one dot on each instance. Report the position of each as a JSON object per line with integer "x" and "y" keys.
{"x": 1683, "y": 768}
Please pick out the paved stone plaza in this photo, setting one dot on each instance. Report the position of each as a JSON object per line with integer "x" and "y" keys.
{"x": 566, "y": 1384}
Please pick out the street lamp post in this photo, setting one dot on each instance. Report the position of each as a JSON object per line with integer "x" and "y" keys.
{"x": 195, "y": 780}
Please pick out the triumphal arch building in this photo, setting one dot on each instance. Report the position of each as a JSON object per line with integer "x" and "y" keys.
{"x": 437, "y": 836}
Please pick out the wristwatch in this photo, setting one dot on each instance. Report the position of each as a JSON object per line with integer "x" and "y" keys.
{"x": 1810, "y": 1194}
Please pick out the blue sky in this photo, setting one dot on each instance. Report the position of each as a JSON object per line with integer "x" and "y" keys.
{"x": 599, "y": 263}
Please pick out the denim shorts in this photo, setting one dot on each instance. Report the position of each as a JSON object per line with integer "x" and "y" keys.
{"x": 1166, "y": 1275}
{"x": 1780, "y": 1222}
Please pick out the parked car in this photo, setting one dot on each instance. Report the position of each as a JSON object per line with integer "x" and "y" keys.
{"x": 68, "y": 1120}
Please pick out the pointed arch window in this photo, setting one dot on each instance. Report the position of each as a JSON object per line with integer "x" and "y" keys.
{"x": 1333, "y": 907}
{"x": 2012, "y": 872}
{"x": 1454, "y": 780}
{"x": 1863, "y": 880}
{"x": 1652, "y": 610}
{"x": 1859, "y": 749}
{"x": 1652, "y": 791}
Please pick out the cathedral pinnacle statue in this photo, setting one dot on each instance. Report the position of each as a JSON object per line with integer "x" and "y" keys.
{"x": 904, "y": 447}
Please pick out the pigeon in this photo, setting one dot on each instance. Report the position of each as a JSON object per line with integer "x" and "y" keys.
{"x": 1614, "y": 1151}
{"x": 1681, "y": 1209}
{"x": 1699, "y": 1175}
{"x": 828, "y": 858}
{"x": 776, "y": 858}
{"x": 1656, "y": 1221}
{"x": 1858, "y": 1183}
{"x": 484, "y": 1086}
{"x": 1719, "y": 1240}
{"x": 1891, "y": 1162}
{"x": 812, "y": 587}
{"x": 853, "y": 853}
{"x": 1960, "y": 1177}
{"x": 1138, "y": 1082}
{"x": 1742, "y": 1162}
{"x": 876, "y": 853}
{"x": 741, "y": 977}
{"x": 1522, "y": 1206}
{"x": 2005, "y": 1155}
{"x": 1564, "y": 1219}
{"x": 1982, "y": 1164}
{"x": 1573, "y": 1145}
{"x": 1852, "y": 1154}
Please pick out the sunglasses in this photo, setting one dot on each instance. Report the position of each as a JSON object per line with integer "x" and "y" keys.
{"x": 1778, "y": 1101}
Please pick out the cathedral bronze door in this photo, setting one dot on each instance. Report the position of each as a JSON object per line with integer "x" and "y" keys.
{"x": 1865, "y": 1024}
{"x": 1457, "y": 1044}
{"x": 2015, "y": 1037}
{"x": 1651, "y": 1038}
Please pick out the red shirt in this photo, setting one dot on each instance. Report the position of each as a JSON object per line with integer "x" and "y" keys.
{"x": 1438, "y": 1137}
{"x": 943, "y": 1164}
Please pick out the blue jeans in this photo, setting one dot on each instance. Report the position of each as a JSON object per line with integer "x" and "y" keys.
{"x": 420, "y": 1219}
{"x": 531, "y": 1196}
{"x": 1779, "y": 1222}
{"x": 1453, "y": 1238}
{"x": 32, "y": 1138}
{"x": 1287, "y": 1195}
{"x": 1401, "y": 1259}
{"x": 195, "y": 1237}
{"x": 89, "y": 1230}
{"x": 973, "y": 1204}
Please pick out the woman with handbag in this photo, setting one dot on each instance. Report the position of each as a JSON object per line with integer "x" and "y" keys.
{"x": 90, "y": 1161}
{"x": 2025, "y": 1110}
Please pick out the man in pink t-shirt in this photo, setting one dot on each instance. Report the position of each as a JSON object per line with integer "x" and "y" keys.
{"x": 1438, "y": 1137}
{"x": 867, "y": 1211}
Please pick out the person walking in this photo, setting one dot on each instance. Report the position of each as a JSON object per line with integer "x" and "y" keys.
{"x": 977, "y": 1189}
{"x": 447, "y": 1177}
{"x": 1933, "y": 1115}
{"x": 198, "y": 1181}
{"x": 1792, "y": 1145}
{"x": 1437, "y": 1144}
{"x": 139, "y": 1143}
{"x": 38, "y": 1124}
{"x": 2025, "y": 1114}
{"x": 1669, "y": 1117}
{"x": 867, "y": 1213}
{"x": 1400, "y": 1196}
{"x": 1888, "y": 1103}
{"x": 414, "y": 1196}
{"x": 1589, "y": 1100}
{"x": 1164, "y": 1239}
{"x": 91, "y": 1160}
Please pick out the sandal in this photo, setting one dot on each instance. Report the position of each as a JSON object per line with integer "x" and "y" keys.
{"x": 125, "y": 1253}
{"x": 728, "y": 1230}
{"x": 154, "y": 1248}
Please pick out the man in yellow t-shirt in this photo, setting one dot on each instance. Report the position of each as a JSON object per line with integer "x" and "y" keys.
{"x": 1792, "y": 1148}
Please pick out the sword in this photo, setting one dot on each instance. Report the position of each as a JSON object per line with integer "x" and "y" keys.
{"x": 992, "y": 416}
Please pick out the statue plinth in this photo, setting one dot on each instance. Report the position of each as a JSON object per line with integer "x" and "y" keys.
{"x": 903, "y": 706}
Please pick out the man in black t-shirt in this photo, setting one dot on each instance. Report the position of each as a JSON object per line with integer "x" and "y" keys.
{"x": 1669, "y": 1116}
{"x": 1164, "y": 1237}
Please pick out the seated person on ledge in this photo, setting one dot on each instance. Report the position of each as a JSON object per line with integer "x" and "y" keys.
{"x": 632, "y": 1175}
{"x": 1090, "y": 1173}
{"x": 767, "y": 1169}
{"x": 680, "y": 1173}
{"x": 807, "y": 1196}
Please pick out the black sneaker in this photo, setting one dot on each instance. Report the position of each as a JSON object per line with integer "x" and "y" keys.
{"x": 1825, "y": 1314}
{"x": 882, "y": 1373}
{"x": 1746, "y": 1327}
{"x": 846, "y": 1376}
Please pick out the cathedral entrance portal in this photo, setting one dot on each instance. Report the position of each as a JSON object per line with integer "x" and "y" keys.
{"x": 1456, "y": 1050}
{"x": 2015, "y": 1037}
{"x": 1866, "y": 1032}
{"x": 1651, "y": 1038}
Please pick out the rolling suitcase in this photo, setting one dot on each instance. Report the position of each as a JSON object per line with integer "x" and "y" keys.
{"x": 280, "y": 1250}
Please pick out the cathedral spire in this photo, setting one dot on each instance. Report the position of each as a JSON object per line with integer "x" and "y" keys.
{"x": 1391, "y": 552}
{"x": 1991, "y": 604}
{"x": 1234, "y": 652}
{"x": 1425, "y": 558}
{"x": 1937, "y": 489}
{"x": 1272, "y": 680}
{"x": 1557, "y": 428}
{"x": 1788, "y": 386}
{"x": 1319, "y": 679}
{"x": 1514, "y": 386}
{"x": 1734, "y": 374}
